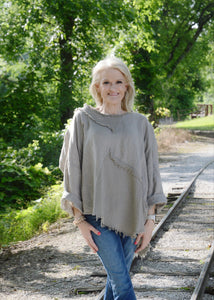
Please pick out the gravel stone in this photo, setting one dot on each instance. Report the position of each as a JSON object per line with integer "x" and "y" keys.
{"x": 55, "y": 264}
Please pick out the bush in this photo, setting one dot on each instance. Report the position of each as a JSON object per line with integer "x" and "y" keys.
{"x": 50, "y": 146}
{"x": 160, "y": 112}
{"x": 22, "y": 176}
{"x": 17, "y": 225}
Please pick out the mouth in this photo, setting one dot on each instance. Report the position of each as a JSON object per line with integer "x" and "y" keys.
{"x": 114, "y": 94}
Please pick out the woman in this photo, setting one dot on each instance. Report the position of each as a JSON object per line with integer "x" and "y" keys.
{"x": 112, "y": 184}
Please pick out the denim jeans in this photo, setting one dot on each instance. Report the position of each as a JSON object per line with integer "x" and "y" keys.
{"x": 116, "y": 253}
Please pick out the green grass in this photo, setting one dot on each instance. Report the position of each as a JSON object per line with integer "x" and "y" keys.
{"x": 20, "y": 225}
{"x": 204, "y": 123}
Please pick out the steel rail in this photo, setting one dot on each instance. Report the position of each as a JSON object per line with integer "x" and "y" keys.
{"x": 199, "y": 286}
{"x": 201, "y": 283}
{"x": 178, "y": 201}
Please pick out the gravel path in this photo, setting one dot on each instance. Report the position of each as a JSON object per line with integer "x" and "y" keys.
{"x": 172, "y": 267}
{"x": 53, "y": 265}
{"x": 177, "y": 168}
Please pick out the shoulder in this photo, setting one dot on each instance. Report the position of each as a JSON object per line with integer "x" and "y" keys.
{"x": 79, "y": 114}
{"x": 74, "y": 122}
{"x": 144, "y": 126}
{"x": 140, "y": 118}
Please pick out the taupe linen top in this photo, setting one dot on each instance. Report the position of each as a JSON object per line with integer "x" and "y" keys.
{"x": 110, "y": 167}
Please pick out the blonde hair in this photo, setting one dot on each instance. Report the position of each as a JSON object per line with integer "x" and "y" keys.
{"x": 113, "y": 62}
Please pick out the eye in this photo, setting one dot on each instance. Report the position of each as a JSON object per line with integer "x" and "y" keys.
{"x": 119, "y": 82}
{"x": 106, "y": 82}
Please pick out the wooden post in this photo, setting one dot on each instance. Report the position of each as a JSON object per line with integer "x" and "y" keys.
{"x": 206, "y": 110}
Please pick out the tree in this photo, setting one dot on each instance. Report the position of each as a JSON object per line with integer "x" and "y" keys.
{"x": 56, "y": 39}
{"x": 208, "y": 76}
{"x": 47, "y": 51}
{"x": 171, "y": 37}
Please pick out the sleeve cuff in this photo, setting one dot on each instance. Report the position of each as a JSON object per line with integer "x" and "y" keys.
{"x": 69, "y": 200}
{"x": 159, "y": 200}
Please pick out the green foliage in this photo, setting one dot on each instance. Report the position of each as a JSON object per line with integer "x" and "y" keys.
{"x": 181, "y": 103}
{"x": 167, "y": 46}
{"x": 160, "y": 113}
{"x": 25, "y": 105}
{"x": 22, "y": 176}
{"x": 50, "y": 144}
{"x": 208, "y": 74}
{"x": 19, "y": 225}
{"x": 48, "y": 49}
{"x": 56, "y": 41}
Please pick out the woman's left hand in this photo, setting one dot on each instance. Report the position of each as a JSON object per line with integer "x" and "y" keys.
{"x": 143, "y": 239}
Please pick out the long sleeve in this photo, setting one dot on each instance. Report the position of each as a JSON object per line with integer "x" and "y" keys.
{"x": 99, "y": 150}
{"x": 70, "y": 163}
{"x": 155, "y": 193}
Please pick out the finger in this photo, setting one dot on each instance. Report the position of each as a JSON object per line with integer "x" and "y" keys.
{"x": 138, "y": 239}
{"x": 97, "y": 232}
{"x": 92, "y": 244}
{"x": 142, "y": 246}
{"x": 139, "y": 249}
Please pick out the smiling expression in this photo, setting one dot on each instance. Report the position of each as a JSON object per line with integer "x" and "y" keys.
{"x": 112, "y": 86}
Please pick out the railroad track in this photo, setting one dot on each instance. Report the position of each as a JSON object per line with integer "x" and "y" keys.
{"x": 182, "y": 249}
{"x": 174, "y": 269}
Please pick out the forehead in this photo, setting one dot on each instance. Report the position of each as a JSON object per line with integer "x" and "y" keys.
{"x": 111, "y": 73}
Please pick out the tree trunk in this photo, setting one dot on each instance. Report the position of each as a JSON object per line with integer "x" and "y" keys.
{"x": 66, "y": 74}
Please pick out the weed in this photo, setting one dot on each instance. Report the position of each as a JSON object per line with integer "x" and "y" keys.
{"x": 19, "y": 225}
{"x": 168, "y": 138}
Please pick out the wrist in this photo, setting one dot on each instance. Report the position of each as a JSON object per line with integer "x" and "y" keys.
{"x": 151, "y": 217}
{"x": 78, "y": 220}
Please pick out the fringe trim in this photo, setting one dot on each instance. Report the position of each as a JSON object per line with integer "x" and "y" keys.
{"x": 97, "y": 119}
{"x": 142, "y": 254}
{"x": 120, "y": 164}
{"x": 113, "y": 228}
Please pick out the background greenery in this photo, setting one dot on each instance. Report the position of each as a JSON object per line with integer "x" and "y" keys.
{"x": 19, "y": 225}
{"x": 48, "y": 50}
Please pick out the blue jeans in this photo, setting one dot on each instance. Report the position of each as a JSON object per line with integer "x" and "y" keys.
{"x": 116, "y": 253}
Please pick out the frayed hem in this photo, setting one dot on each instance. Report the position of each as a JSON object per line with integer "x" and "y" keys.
{"x": 113, "y": 228}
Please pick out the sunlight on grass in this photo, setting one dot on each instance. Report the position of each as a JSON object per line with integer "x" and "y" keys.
{"x": 205, "y": 123}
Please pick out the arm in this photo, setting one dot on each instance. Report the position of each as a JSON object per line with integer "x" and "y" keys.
{"x": 143, "y": 239}
{"x": 85, "y": 229}
{"x": 71, "y": 165}
{"x": 155, "y": 196}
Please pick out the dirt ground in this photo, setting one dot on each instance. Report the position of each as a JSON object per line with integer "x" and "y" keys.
{"x": 54, "y": 264}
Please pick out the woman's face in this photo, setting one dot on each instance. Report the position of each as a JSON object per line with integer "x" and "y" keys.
{"x": 112, "y": 86}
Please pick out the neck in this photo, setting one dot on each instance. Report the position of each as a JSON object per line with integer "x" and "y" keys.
{"x": 111, "y": 109}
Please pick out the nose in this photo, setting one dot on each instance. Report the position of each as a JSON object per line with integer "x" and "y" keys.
{"x": 112, "y": 86}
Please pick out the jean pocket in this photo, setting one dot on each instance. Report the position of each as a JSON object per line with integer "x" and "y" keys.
{"x": 93, "y": 220}
{"x": 96, "y": 223}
